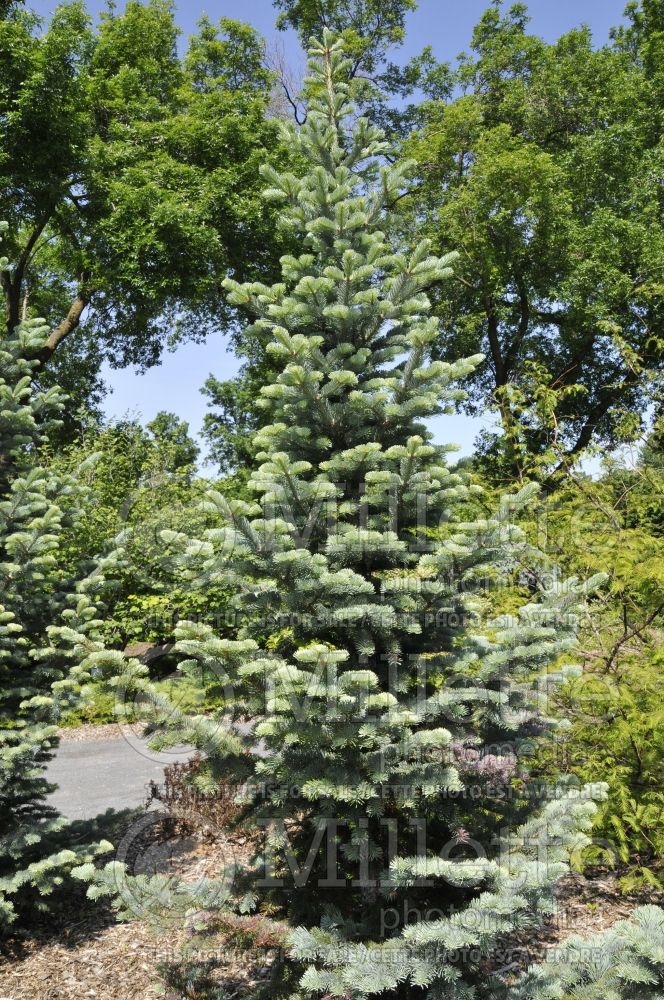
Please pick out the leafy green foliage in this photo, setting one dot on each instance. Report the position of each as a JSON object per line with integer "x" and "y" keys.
{"x": 121, "y": 240}
{"x": 369, "y": 27}
{"x": 98, "y": 705}
{"x": 232, "y": 417}
{"x": 616, "y": 706}
{"x": 539, "y": 164}
{"x": 611, "y": 525}
{"x": 143, "y": 482}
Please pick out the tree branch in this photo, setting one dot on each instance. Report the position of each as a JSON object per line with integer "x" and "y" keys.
{"x": 24, "y": 258}
{"x": 631, "y": 633}
{"x": 6, "y": 284}
{"x": 12, "y": 283}
{"x": 524, "y": 323}
{"x": 557, "y": 318}
{"x": 69, "y": 323}
{"x": 494, "y": 343}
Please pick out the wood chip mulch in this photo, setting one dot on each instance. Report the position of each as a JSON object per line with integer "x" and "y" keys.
{"x": 585, "y": 905}
{"x": 88, "y": 954}
{"x": 112, "y": 962}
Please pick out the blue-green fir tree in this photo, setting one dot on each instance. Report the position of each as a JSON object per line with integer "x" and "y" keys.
{"x": 394, "y": 724}
{"x": 43, "y": 626}
{"x": 625, "y": 962}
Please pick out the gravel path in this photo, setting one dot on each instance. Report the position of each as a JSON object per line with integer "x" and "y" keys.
{"x": 108, "y": 767}
{"x": 112, "y": 772}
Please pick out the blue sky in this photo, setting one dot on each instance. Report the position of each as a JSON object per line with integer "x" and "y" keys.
{"x": 446, "y": 25}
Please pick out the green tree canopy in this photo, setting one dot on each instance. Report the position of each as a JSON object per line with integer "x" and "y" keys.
{"x": 370, "y": 30}
{"x": 369, "y": 27}
{"x": 129, "y": 177}
{"x": 542, "y": 166}
{"x": 142, "y": 482}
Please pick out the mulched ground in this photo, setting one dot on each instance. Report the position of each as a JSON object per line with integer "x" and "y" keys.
{"x": 90, "y": 955}
{"x": 91, "y": 959}
{"x": 86, "y": 953}
{"x": 585, "y": 905}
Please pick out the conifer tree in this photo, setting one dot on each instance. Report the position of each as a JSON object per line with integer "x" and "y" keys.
{"x": 625, "y": 962}
{"x": 389, "y": 763}
{"x": 38, "y": 609}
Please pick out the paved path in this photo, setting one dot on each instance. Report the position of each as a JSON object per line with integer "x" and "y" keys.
{"x": 96, "y": 775}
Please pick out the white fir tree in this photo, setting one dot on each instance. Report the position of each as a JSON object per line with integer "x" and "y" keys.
{"x": 389, "y": 762}
{"x": 43, "y": 627}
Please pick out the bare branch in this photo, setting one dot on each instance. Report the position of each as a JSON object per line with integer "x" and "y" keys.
{"x": 289, "y": 81}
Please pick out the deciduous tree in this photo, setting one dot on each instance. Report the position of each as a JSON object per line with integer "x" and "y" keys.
{"x": 129, "y": 177}
{"x": 542, "y": 166}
